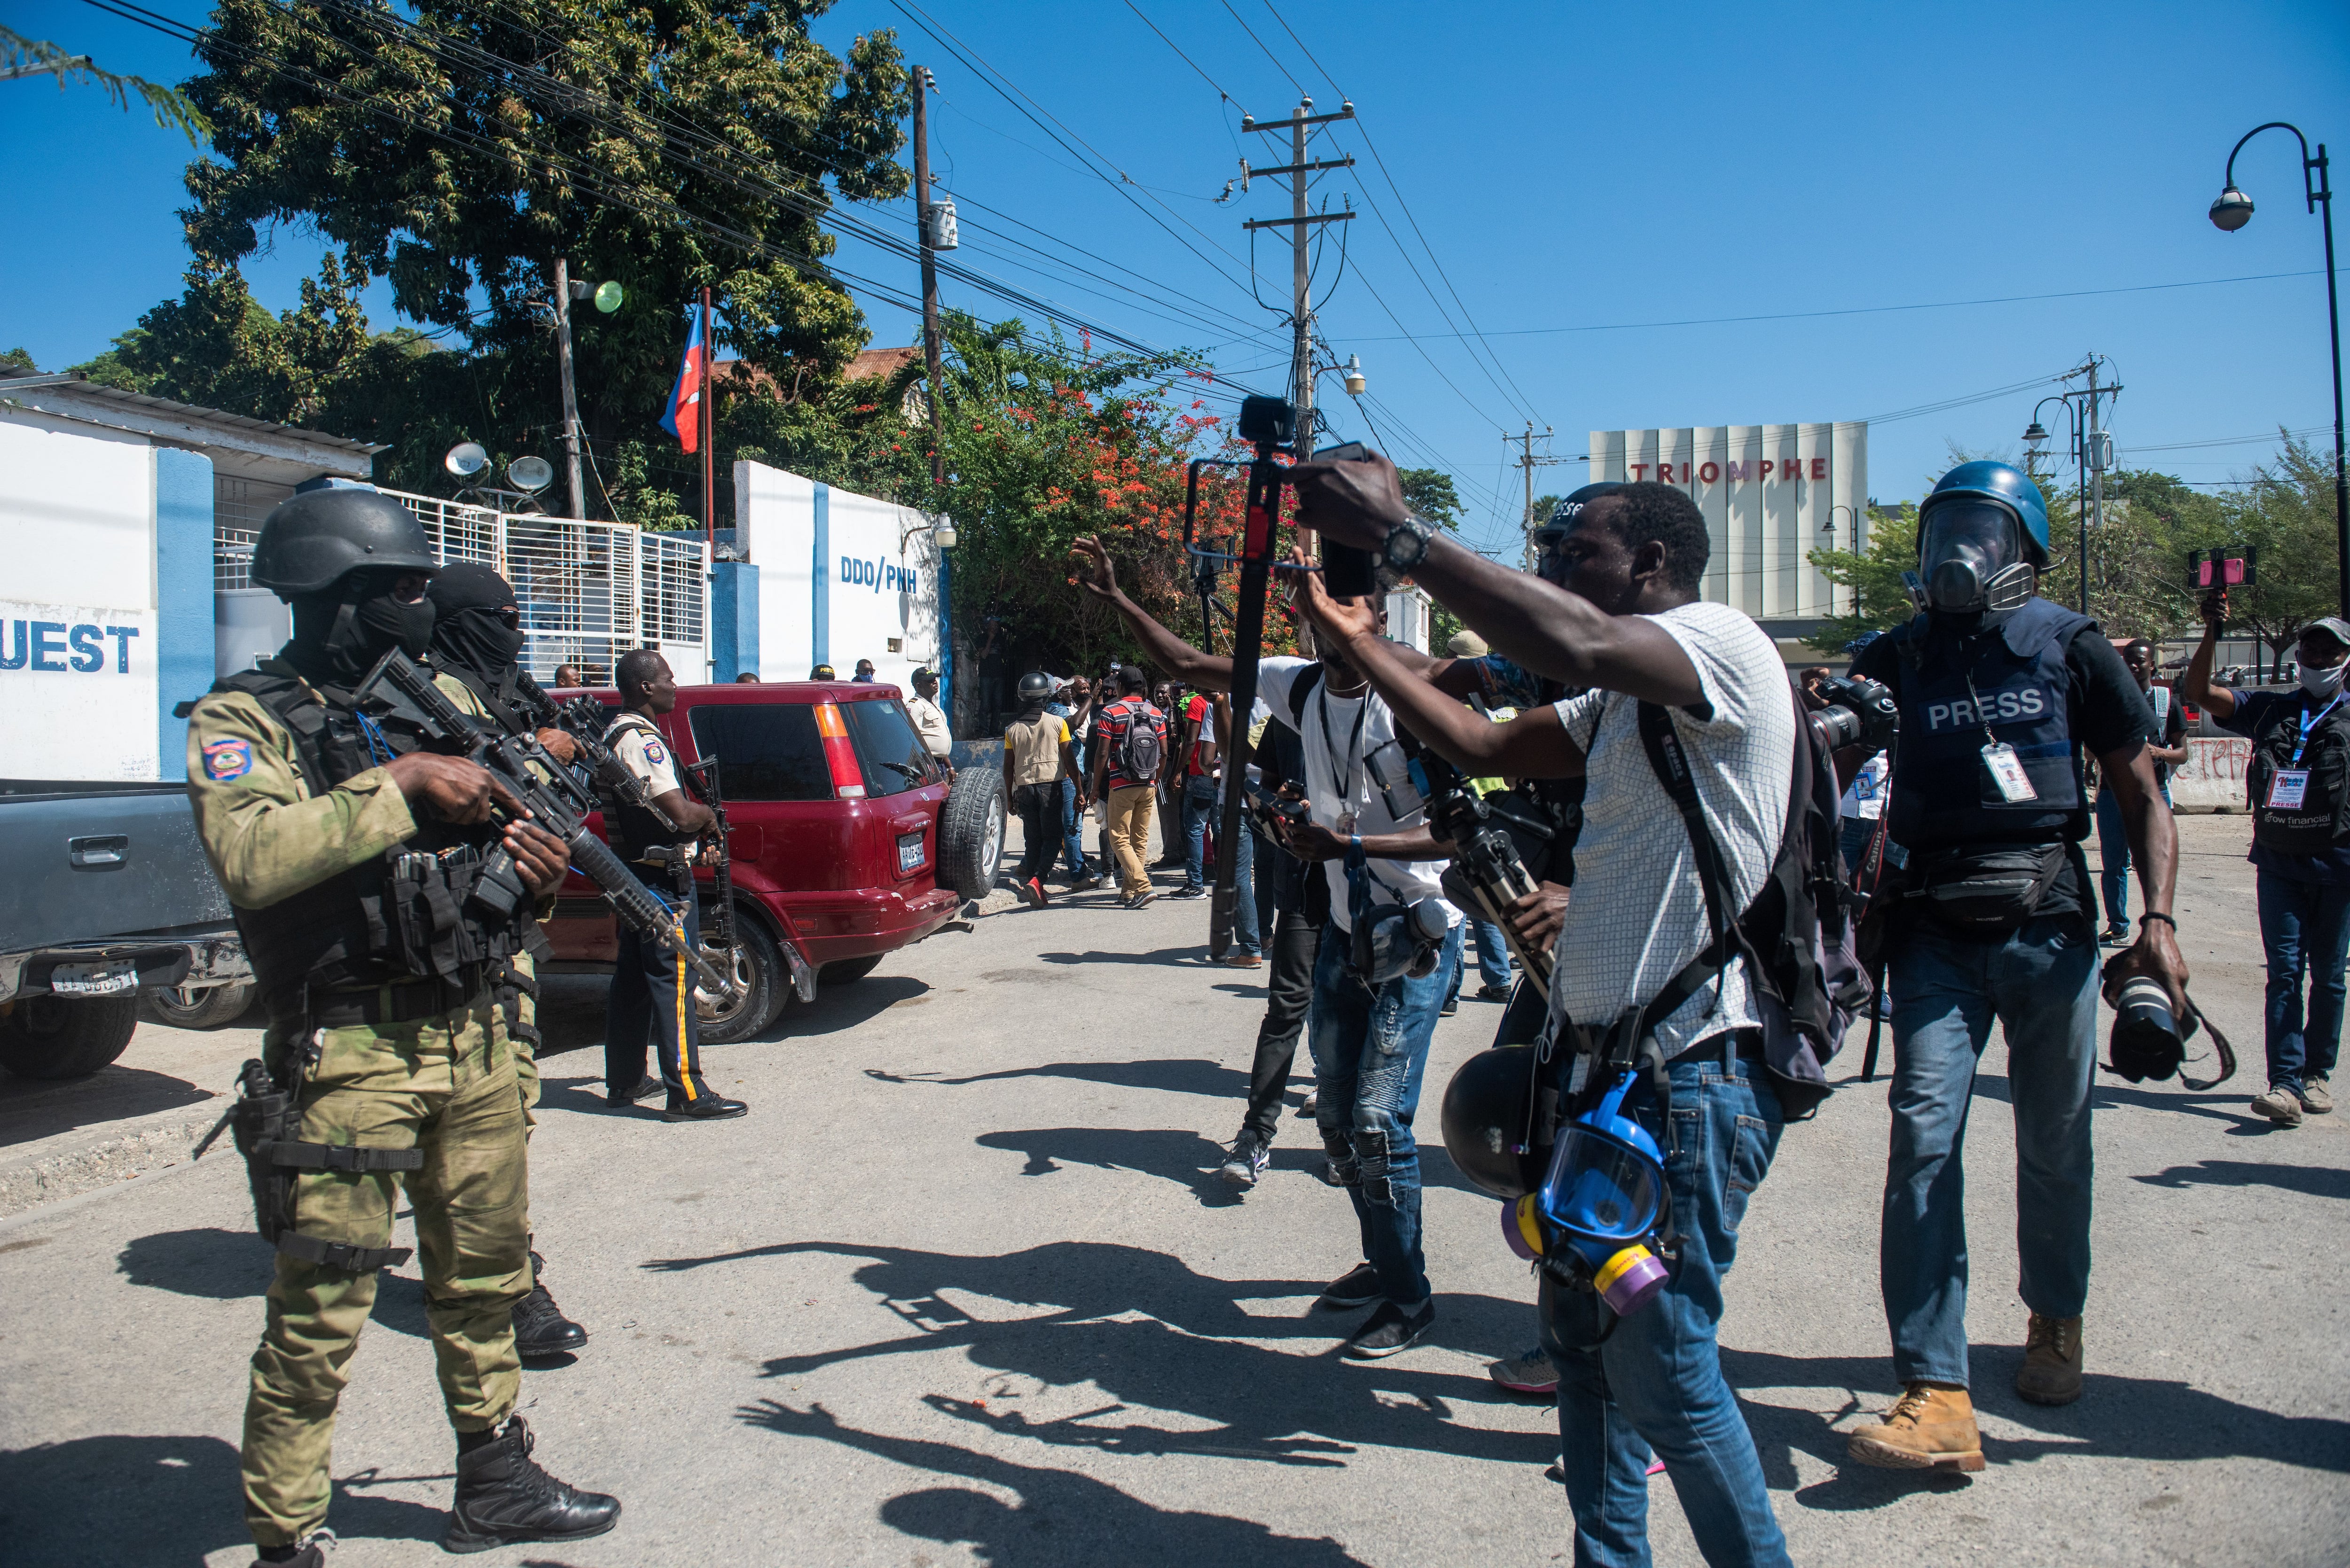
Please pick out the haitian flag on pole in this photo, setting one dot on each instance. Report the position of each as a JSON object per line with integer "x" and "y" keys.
{"x": 682, "y": 417}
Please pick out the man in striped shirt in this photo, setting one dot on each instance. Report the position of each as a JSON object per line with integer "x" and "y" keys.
{"x": 1126, "y": 781}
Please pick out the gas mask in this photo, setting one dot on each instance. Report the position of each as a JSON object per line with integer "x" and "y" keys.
{"x": 1972, "y": 563}
{"x": 339, "y": 635}
{"x": 1603, "y": 1197}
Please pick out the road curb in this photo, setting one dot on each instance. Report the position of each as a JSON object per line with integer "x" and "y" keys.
{"x": 108, "y": 1160}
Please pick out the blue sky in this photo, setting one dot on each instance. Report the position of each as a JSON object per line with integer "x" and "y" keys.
{"x": 1570, "y": 167}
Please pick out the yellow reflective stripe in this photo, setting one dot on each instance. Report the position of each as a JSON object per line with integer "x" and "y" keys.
{"x": 684, "y": 1047}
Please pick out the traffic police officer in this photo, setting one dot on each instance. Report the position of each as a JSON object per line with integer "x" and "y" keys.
{"x": 652, "y": 991}
{"x": 351, "y": 858}
{"x": 476, "y": 637}
{"x": 2000, "y": 692}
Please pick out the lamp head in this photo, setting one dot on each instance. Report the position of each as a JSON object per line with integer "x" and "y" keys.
{"x": 530, "y": 474}
{"x": 466, "y": 459}
{"x": 608, "y": 295}
{"x": 944, "y": 535}
{"x": 1355, "y": 380}
{"x": 2035, "y": 433}
{"x": 2233, "y": 210}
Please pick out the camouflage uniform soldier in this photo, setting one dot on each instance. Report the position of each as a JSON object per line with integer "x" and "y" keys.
{"x": 476, "y": 637}
{"x": 353, "y": 861}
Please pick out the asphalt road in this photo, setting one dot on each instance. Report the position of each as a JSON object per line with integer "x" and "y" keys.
{"x": 965, "y": 1288}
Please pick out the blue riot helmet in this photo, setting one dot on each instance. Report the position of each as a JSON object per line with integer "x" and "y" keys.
{"x": 1981, "y": 536}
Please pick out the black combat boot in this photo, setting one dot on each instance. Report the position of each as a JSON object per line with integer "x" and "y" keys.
{"x": 310, "y": 1551}
{"x": 540, "y": 1328}
{"x": 502, "y": 1496}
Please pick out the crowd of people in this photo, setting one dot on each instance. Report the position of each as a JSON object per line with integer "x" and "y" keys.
{"x": 1658, "y": 1040}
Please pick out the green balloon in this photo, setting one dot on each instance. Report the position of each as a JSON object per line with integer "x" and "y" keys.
{"x": 607, "y": 296}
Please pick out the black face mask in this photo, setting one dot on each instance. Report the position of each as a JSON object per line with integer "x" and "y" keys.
{"x": 477, "y": 641}
{"x": 339, "y": 635}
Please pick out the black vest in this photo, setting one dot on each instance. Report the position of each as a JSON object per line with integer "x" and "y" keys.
{"x": 406, "y": 914}
{"x": 2012, "y": 680}
{"x": 2322, "y": 821}
{"x": 633, "y": 829}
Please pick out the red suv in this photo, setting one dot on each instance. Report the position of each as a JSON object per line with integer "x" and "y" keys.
{"x": 834, "y": 814}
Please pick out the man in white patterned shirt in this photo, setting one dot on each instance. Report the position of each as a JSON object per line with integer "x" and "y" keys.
{"x": 1629, "y": 626}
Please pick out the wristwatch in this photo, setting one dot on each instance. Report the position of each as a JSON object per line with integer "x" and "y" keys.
{"x": 1407, "y": 544}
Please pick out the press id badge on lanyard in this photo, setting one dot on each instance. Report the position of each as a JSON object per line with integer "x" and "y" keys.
{"x": 2290, "y": 787}
{"x": 2007, "y": 772}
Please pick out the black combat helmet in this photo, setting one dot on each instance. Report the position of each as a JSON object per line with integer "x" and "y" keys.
{"x": 1036, "y": 686}
{"x": 311, "y": 541}
{"x": 1486, "y": 1118}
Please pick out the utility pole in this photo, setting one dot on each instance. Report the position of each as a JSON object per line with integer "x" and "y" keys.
{"x": 2093, "y": 454}
{"x": 923, "y": 84}
{"x": 1529, "y": 462}
{"x": 1298, "y": 224}
{"x": 570, "y": 396}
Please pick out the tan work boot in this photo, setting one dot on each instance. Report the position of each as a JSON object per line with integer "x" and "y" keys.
{"x": 2316, "y": 1097}
{"x": 2051, "y": 1373}
{"x": 1931, "y": 1427}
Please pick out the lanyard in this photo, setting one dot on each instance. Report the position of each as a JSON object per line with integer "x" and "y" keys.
{"x": 1343, "y": 773}
{"x": 2310, "y": 721}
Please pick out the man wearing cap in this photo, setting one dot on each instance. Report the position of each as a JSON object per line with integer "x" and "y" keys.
{"x": 2001, "y": 693}
{"x": 2300, "y": 787}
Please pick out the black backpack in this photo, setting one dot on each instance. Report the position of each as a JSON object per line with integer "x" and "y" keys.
{"x": 1139, "y": 750}
{"x": 1797, "y": 936}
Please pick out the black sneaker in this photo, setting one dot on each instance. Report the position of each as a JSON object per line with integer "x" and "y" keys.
{"x": 1492, "y": 993}
{"x": 1192, "y": 891}
{"x": 2115, "y": 935}
{"x": 1389, "y": 1329}
{"x": 645, "y": 1090}
{"x": 1359, "y": 1286}
{"x": 1452, "y": 1006}
{"x": 502, "y": 1496}
{"x": 1250, "y": 1151}
{"x": 1086, "y": 884}
{"x": 309, "y": 1553}
{"x": 707, "y": 1108}
{"x": 1142, "y": 898}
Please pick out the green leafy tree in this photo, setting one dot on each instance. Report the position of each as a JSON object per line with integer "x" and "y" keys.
{"x": 1429, "y": 492}
{"x": 2287, "y": 509}
{"x": 22, "y": 56}
{"x": 1871, "y": 578}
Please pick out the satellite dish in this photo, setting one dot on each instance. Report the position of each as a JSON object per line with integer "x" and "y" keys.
{"x": 608, "y": 297}
{"x": 531, "y": 474}
{"x": 466, "y": 459}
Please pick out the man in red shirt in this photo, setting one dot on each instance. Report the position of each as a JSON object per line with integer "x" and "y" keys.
{"x": 1129, "y": 743}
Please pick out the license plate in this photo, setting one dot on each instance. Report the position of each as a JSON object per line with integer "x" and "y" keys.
{"x": 94, "y": 978}
{"x": 909, "y": 852}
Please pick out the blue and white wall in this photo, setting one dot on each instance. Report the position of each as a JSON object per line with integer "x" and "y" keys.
{"x": 829, "y": 582}
{"x": 106, "y": 603}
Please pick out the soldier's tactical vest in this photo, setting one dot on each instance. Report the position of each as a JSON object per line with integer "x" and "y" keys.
{"x": 635, "y": 830}
{"x": 2012, "y": 681}
{"x": 410, "y": 913}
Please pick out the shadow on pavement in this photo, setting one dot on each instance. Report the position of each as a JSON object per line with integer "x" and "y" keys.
{"x": 1151, "y": 1333}
{"x": 231, "y": 1265}
{"x": 2310, "y": 1181}
{"x": 1185, "y": 1075}
{"x": 160, "y": 1502}
{"x": 2116, "y": 1417}
{"x": 1062, "y": 1520}
{"x": 1187, "y": 955}
{"x": 32, "y": 1109}
{"x": 1185, "y": 1158}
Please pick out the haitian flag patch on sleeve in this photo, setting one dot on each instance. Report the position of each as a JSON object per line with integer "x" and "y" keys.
{"x": 225, "y": 760}
{"x": 653, "y": 752}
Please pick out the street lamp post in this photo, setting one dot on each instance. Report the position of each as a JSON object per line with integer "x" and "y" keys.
{"x": 2231, "y": 210}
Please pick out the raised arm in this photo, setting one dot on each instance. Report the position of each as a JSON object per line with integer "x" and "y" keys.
{"x": 2196, "y": 686}
{"x": 1159, "y": 645}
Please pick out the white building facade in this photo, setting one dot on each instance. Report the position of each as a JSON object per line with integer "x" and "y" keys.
{"x": 1770, "y": 494}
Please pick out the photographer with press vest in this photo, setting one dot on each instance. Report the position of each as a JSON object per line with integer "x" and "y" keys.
{"x": 378, "y": 896}
{"x": 2299, "y": 788}
{"x": 1992, "y": 919}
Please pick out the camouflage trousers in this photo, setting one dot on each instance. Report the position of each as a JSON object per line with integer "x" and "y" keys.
{"x": 446, "y": 1086}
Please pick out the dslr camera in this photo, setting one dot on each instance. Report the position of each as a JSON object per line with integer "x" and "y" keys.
{"x": 1859, "y": 713}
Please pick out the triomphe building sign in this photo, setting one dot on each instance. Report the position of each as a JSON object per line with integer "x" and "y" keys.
{"x": 1770, "y": 494}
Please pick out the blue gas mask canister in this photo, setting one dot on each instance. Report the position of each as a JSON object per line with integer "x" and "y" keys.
{"x": 1603, "y": 1195}
{"x": 1972, "y": 561}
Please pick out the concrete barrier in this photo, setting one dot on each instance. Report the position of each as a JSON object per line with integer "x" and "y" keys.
{"x": 2212, "y": 776}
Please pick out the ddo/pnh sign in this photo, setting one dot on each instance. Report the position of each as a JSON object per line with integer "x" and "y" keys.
{"x": 878, "y": 576}
{"x": 1772, "y": 494}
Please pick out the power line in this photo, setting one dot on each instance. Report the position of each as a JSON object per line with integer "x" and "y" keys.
{"x": 1960, "y": 402}
{"x": 1268, "y": 52}
{"x": 1186, "y": 58}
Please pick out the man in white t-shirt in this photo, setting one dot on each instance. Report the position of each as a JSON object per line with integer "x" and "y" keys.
{"x": 1629, "y": 626}
{"x": 1369, "y": 1042}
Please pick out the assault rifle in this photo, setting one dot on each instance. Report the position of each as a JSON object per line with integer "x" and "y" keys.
{"x": 585, "y": 720}
{"x": 399, "y": 690}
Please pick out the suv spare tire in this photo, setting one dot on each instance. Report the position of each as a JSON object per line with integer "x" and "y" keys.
{"x": 66, "y": 1037}
{"x": 971, "y": 832}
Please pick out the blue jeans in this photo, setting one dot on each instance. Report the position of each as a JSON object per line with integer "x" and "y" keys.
{"x": 2114, "y": 854}
{"x": 1073, "y": 834}
{"x": 1492, "y": 958}
{"x": 2306, "y": 927}
{"x": 2040, "y": 982}
{"x": 1370, "y": 1048}
{"x": 1247, "y": 932}
{"x": 1198, "y": 804}
{"x": 1653, "y": 1380}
